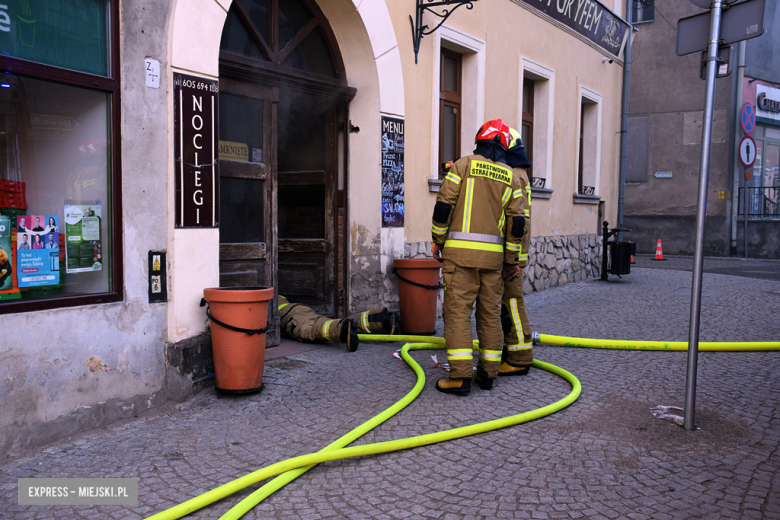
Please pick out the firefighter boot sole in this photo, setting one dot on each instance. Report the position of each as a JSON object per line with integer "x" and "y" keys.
{"x": 449, "y": 386}
{"x": 349, "y": 335}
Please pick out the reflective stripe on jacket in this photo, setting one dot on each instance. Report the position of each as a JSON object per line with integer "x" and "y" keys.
{"x": 484, "y": 197}
{"x": 522, "y": 175}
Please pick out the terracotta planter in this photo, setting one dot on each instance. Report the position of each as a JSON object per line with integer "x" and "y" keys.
{"x": 418, "y": 304}
{"x": 238, "y": 355}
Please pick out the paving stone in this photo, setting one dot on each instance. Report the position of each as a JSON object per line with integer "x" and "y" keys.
{"x": 605, "y": 456}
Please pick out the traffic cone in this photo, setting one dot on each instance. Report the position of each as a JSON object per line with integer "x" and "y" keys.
{"x": 659, "y": 254}
{"x": 632, "y": 256}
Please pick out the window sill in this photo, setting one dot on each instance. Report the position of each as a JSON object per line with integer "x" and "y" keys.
{"x": 541, "y": 193}
{"x": 434, "y": 185}
{"x": 586, "y": 199}
{"x": 16, "y": 306}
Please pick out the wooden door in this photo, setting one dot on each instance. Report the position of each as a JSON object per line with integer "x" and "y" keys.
{"x": 307, "y": 203}
{"x": 247, "y": 122}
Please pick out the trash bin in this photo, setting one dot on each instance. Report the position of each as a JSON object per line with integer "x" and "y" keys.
{"x": 620, "y": 254}
{"x": 418, "y": 288}
{"x": 239, "y": 317}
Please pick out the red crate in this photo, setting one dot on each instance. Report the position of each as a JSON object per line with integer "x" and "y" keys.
{"x": 13, "y": 204}
{"x": 12, "y": 186}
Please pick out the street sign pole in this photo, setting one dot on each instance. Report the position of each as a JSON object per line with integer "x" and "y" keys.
{"x": 704, "y": 169}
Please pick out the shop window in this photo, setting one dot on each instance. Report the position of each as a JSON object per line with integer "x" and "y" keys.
{"x": 589, "y": 143}
{"x": 59, "y": 174}
{"x": 450, "y": 85}
{"x": 644, "y": 11}
{"x": 537, "y": 104}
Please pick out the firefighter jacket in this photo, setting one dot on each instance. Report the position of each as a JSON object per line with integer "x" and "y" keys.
{"x": 526, "y": 187}
{"x": 478, "y": 216}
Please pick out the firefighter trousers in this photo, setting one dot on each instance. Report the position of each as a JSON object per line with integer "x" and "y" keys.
{"x": 301, "y": 323}
{"x": 463, "y": 286}
{"x": 518, "y": 349}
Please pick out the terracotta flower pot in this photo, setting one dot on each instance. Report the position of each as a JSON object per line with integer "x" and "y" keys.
{"x": 238, "y": 354}
{"x": 418, "y": 304}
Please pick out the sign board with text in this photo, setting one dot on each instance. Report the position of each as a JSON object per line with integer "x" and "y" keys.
{"x": 589, "y": 18}
{"x": 196, "y": 122}
{"x": 392, "y": 172}
{"x": 739, "y": 22}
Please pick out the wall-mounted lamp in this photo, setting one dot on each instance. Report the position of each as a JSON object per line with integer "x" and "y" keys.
{"x": 419, "y": 30}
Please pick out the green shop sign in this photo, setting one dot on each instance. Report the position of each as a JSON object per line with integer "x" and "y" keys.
{"x": 65, "y": 33}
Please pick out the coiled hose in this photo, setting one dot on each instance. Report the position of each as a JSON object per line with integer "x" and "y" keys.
{"x": 292, "y": 468}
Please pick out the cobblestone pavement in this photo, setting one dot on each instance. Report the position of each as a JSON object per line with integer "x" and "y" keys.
{"x": 605, "y": 456}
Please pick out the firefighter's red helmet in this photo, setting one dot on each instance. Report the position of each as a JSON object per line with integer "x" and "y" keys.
{"x": 496, "y": 131}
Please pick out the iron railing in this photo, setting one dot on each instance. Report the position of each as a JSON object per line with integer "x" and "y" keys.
{"x": 759, "y": 202}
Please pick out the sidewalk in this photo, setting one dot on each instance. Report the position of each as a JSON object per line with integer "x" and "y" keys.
{"x": 605, "y": 456}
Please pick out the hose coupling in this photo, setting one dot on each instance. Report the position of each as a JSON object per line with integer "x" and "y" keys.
{"x": 535, "y": 337}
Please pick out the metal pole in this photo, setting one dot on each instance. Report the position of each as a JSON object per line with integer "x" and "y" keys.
{"x": 701, "y": 216}
{"x": 624, "y": 119}
{"x": 737, "y": 138}
{"x": 605, "y": 236}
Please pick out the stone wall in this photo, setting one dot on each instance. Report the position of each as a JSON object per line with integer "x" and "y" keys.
{"x": 552, "y": 261}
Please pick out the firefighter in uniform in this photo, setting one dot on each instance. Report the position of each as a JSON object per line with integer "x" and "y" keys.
{"x": 302, "y": 323}
{"x": 477, "y": 230}
{"x": 518, "y": 352}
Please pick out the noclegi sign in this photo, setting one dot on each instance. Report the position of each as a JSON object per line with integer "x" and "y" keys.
{"x": 196, "y": 150}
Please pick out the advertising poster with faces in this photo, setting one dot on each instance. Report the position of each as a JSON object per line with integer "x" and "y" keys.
{"x": 37, "y": 250}
{"x": 6, "y": 269}
{"x": 83, "y": 247}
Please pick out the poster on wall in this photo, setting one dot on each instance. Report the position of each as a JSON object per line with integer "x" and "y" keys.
{"x": 392, "y": 172}
{"x": 37, "y": 251}
{"x": 83, "y": 244}
{"x": 6, "y": 262}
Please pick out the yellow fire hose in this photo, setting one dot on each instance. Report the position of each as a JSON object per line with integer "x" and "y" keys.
{"x": 296, "y": 466}
{"x": 291, "y": 469}
{"x": 704, "y": 346}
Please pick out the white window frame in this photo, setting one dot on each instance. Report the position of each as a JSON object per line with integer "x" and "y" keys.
{"x": 589, "y": 96}
{"x": 544, "y": 115}
{"x": 472, "y": 113}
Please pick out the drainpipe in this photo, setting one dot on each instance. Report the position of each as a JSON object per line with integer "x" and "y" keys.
{"x": 737, "y": 138}
{"x": 624, "y": 119}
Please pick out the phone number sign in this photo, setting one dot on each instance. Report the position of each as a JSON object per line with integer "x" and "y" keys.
{"x": 195, "y": 107}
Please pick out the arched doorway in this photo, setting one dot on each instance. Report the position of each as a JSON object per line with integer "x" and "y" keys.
{"x": 283, "y": 118}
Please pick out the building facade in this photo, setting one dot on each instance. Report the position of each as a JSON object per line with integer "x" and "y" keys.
{"x": 167, "y": 147}
{"x": 666, "y": 108}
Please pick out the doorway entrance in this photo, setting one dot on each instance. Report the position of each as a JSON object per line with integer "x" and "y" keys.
{"x": 283, "y": 117}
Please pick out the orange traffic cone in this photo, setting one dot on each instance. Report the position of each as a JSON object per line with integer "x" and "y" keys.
{"x": 632, "y": 256}
{"x": 659, "y": 254}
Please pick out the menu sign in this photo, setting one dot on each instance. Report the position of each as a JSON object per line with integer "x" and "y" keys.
{"x": 392, "y": 172}
{"x": 196, "y": 150}
{"x": 589, "y": 18}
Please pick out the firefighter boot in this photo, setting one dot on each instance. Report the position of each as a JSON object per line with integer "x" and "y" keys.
{"x": 482, "y": 379}
{"x": 454, "y": 386}
{"x": 349, "y": 334}
{"x": 391, "y": 322}
{"x": 510, "y": 370}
